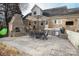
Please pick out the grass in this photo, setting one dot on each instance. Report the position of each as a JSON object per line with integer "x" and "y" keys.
{"x": 6, "y": 50}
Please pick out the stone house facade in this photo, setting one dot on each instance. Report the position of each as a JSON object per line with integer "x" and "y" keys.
{"x": 56, "y": 17}
{"x": 69, "y": 22}
{"x": 36, "y": 21}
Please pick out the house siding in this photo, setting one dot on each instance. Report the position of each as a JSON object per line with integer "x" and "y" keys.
{"x": 37, "y": 10}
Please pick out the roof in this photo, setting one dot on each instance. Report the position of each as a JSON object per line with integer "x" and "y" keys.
{"x": 63, "y": 10}
{"x": 73, "y": 10}
{"x": 36, "y": 6}
{"x": 60, "y": 11}
{"x": 26, "y": 16}
{"x": 55, "y": 11}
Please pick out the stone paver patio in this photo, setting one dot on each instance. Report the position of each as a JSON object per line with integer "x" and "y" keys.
{"x": 54, "y": 46}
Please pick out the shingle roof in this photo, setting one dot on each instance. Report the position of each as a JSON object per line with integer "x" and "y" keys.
{"x": 60, "y": 11}
{"x": 73, "y": 10}
{"x": 56, "y": 11}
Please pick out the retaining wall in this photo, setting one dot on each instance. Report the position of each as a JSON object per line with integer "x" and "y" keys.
{"x": 73, "y": 37}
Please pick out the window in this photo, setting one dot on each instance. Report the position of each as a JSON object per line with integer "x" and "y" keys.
{"x": 69, "y": 22}
{"x": 57, "y": 21}
{"x": 29, "y": 23}
{"x": 17, "y": 29}
{"x": 42, "y": 23}
{"x": 35, "y": 13}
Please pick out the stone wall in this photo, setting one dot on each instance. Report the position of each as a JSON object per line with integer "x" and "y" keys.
{"x": 73, "y": 38}
{"x": 64, "y": 18}
{"x": 38, "y": 22}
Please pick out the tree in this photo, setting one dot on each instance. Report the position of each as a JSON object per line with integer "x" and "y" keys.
{"x": 10, "y": 10}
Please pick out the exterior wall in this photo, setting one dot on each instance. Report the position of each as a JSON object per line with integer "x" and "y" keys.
{"x": 38, "y": 26}
{"x": 52, "y": 24}
{"x": 37, "y": 10}
{"x": 64, "y": 18}
{"x": 38, "y": 23}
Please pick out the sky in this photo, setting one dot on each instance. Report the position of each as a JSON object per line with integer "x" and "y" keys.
{"x": 43, "y": 6}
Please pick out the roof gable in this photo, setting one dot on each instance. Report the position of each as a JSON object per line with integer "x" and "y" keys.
{"x": 35, "y": 7}
{"x": 16, "y": 20}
